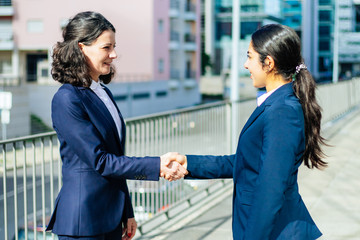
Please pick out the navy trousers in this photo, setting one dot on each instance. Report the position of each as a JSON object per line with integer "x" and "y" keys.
{"x": 114, "y": 235}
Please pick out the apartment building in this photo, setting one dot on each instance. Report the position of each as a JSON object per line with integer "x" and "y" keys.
{"x": 319, "y": 27}
{"x": 158, "y": 47}
{"x": 218, "y": 28}
{"x": 292, "y": 12}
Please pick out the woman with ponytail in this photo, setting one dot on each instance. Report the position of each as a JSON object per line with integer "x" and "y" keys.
{"x": 282, "y": 132}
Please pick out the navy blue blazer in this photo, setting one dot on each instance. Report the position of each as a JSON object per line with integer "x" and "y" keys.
{"x": 94, "y": 198}
{"x": 266, "y": 200}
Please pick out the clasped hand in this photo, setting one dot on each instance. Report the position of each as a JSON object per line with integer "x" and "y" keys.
{"x": 173, "y": 166}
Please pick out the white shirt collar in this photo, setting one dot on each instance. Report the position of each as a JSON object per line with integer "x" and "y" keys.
{"x": 95, "y": 85}
{"x": 263, "y": 97}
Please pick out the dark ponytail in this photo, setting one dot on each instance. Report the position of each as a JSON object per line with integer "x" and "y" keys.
{"x": 283, "y": 45}
{"x": 304, "y": 87}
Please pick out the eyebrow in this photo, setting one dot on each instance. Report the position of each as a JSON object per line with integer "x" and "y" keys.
{"x": 108, "y": 44}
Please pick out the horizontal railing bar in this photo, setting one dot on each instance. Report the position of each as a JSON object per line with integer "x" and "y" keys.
{"x": 28, "y": 138}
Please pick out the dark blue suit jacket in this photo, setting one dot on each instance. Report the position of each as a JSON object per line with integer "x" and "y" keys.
{"x": 266, "y": 201}
{"x": 94, "y": 198}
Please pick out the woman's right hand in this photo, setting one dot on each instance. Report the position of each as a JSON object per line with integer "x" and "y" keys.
{"x": 171, "y": 167}
{"x": 130, "y": 229}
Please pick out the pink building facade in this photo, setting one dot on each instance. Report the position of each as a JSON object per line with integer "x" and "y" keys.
{"x": 156, "y": 39}
{"x": 158, "y": 47}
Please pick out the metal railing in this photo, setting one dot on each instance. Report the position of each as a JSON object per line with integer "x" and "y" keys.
{"x": 7, "y": 80}
{"x": 30, "y": 167}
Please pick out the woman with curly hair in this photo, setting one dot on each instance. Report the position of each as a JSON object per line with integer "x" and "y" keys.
{"x": 94, "y": 201}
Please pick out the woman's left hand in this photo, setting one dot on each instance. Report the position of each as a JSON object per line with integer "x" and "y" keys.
{"x": 129, "y": 229}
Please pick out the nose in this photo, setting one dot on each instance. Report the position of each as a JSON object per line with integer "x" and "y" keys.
{"x": 113, "y": 54}
{"x": 246, "y": 64}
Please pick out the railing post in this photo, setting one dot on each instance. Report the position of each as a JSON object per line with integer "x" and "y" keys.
{"x": 229, "y": 107}
{"x": 5, "y": 193}
{"x": 15, "y": 193}
{"x": 34, "y": 186}
{"x": 25, "y": 191}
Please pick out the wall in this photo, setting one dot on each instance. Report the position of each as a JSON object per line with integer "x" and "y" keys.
{"x": 133, "y": 99}
{"x": 19, "y": 113}
{"x": 134, "y": 27}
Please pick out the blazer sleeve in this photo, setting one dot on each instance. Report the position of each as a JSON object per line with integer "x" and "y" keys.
{"x": 283, "y": 141}
{"x": 209, "y": 167}
{"x": 72, "y": 124}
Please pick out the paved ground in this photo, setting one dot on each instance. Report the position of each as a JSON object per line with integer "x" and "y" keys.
{"x": 332, "y": 195}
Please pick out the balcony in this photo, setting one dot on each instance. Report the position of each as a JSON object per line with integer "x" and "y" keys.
{"x": 190, "y": 12}
{"x": 190, "y": 74}
{"x": 174, "y": 74}
{"x": 174, "y": 9}
{"x": 189, "y": 42}
{"x": 6, "y": 8}
{"x": 6, "y": 39}
{"x": 174, "y": 40}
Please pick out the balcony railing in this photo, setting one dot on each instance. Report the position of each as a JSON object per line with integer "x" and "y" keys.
{"x": 30, "y": 167}
{"x": 190, "y": 74}
{"x": 189, "y": 38}
{"x": 174, "y": 4}
{"x": 174, "y": 74}
{"x": 190, "y": 7}
{"x": 174, "y": 36}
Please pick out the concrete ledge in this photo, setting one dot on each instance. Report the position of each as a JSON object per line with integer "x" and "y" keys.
{"x": 198, "y": 197}
{"x": 174, "y": 211}
{"x": 160, "y": 230}
{"x": 215, "y": 187}
{"x": 153, "y": 223}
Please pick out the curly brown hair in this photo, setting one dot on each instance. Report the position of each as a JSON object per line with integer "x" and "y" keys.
{"x": 69, "y": 64}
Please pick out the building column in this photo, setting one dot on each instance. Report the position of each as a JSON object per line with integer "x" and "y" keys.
{"x": 15, "y": 64}
{"x": 309, "y": 32}
{"x": 210, "y": 29}
{"x": 50, "y": 60}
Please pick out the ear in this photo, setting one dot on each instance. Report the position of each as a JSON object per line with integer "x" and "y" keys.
{"x": 81, "y": 46}
{"x": 270, "y": 63}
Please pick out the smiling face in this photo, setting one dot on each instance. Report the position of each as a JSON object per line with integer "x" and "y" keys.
{"x": 255, "y": 67}
{"x": 100, "y": 54}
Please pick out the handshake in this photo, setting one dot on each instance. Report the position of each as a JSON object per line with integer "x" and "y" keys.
{"x": 173, "y": 166}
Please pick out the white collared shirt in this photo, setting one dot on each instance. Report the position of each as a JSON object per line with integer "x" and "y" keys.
{"x": 101, "y": 93}
{"x": 263, "y": 97}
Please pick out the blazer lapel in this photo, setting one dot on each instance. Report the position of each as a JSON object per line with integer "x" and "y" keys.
{"x": 253, "y": 117}
{"x": 283, "y": 90}
{"x": 94, "y": 104}
{"x": 122, "y": 122}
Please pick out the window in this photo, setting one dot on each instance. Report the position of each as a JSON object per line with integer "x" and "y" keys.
{"x": 35, "y": 26}
{"x": 324, "y": 31}
{"x": 324, "y": 16}
{"x": 324, "y": 45}
{"x": 5, "y": 66}
{"x": 324, "y": 2}
{"x": 324, "y": 64}
{"x": 161, "y": 66}
{"x": 160, "y": 25}
{"x": 44, "y": 72}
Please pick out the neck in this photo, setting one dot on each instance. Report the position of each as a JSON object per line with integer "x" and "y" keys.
{"x": 274, "y": 82}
